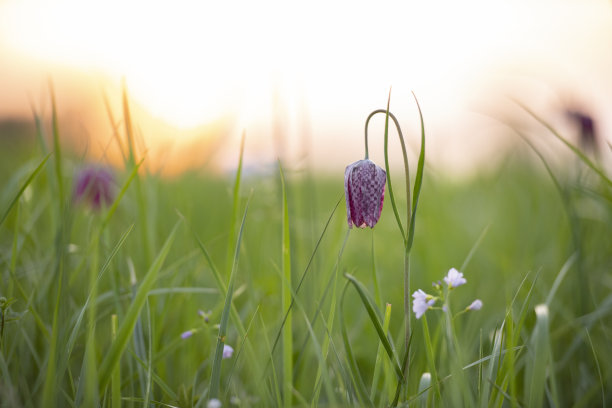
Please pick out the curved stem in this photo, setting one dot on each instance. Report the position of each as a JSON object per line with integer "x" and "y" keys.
{"x": 406, "y": 168}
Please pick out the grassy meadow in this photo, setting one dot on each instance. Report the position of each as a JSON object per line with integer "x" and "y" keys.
{"x": 131, "y": 305}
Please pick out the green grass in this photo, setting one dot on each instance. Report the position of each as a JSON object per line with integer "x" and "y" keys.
{"x": 94, "y": 304}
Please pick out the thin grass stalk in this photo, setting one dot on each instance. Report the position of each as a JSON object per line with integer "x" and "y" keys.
{"x": 215, "y": 377}
{"x": 116, "y": 376}
{"x": 379, "y": 353}
{"x": 235, "y": 209}
{"x": 286, "y": 300}
{"x": 429, "y": 352}
{"x": 23, "y": 187}
{"x": 330, "y": 319}
{"x": 131, "y": 317}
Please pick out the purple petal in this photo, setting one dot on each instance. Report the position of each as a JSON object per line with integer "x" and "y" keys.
{"x": 364, "y": 186}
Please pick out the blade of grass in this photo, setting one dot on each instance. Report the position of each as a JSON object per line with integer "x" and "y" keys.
{"x": 362, "y": 393}
{"x": 564, "y": 270}
{"x": 330, "y": 319}
{"x": 24, "y": 186}
{"x": 302, "y": 278}
{"x": 215, "y": 377}
{"x": 431, "y": 361}
{"x": 418, "y": 181}
{"x": 567, "y": 143}
{"x": 379, "y": 352}
{"x": 373, "y": 313}
{"x": 537, "y": 367}
{"x": 235, "y": 209}
{"x": 57, "y": 147}
{"x": 601, "y": 380}
{"x": 125, "y": 331}
{"x": 116, "y": 376}
{"x": 286, "y": 299}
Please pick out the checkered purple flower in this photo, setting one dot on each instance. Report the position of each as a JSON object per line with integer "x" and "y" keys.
{"x": 94, "y": 186}
{"x": 364, "y": 188}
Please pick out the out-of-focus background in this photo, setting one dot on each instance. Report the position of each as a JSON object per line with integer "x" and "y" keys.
{"x": 300, "y": 79}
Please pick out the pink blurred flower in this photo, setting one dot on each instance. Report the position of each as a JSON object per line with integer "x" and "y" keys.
{"x": 94, "y": 186}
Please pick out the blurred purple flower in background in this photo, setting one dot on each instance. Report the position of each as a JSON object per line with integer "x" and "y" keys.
{"x": 94, "y": 185}
{"x": 364, "y": 188}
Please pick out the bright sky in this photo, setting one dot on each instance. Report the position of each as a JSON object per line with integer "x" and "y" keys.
{"x": 321, "y": 65}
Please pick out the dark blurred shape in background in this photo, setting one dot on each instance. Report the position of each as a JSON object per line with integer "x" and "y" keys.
{"x": 587, "y": 135}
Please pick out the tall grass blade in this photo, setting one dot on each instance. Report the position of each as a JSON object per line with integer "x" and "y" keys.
{"x": 418, "y": 181}
{"x": 539, "y": 359}
{"x": 235, "y": 209}
{"x": 303, "y": 277}
{"x": 125, "y": 331}
{"x": 116, "y": 376}
{"x": 431, "y": 361}
{"x": 286, "y": 299}
{"x": 564, "y": 270}
{"x": 57, "y": 147}
{"x": 23, "y": 187}
{"x": 357, "y": 380}
{"x": 215, "y": 377}
{"x": 374, "y": 313}
{"x": 567, "y": 143}
{"x": 379, "y": 361}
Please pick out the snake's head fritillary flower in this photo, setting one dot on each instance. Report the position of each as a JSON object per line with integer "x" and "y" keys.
{"x": 94, "y": 186}
{"x": 475, "y": 305}
{"x": 454, "y": 278}
{"x": 364, "y": 188}
{"x": 421, "y": 303}
{"x": 227, "y": 351}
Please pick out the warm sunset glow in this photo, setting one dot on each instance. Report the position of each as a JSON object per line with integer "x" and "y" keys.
{"x": 191, "y": 63}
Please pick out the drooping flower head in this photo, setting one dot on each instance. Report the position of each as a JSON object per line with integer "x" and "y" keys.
{"x": 454, "y": 278}
{"x": 94, "y": 186}
{"x": 364, "y": 188}
{"x": 421, "y": 303}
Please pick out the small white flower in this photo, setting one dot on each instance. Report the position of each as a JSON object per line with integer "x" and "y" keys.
{"x": 227, "y": 351}
{"x": 213, "y": 403}
{"x": 476, "y": 305}
{"x": 454, "y": 278}
{"x": 422, "y": 301}
{"x": 187, "y": 334}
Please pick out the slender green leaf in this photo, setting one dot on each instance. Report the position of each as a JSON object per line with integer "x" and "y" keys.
{"x": 215, "y": 377}
{"x": 567, "y": 143}
{"x": 286, "y": 300}
{"x": 374, "y": 313}
{"x": 362, "y": 392}
{"x": 418, "y": 181}
{"x": 127, "y": 326}
{"x": 24, "y": 186}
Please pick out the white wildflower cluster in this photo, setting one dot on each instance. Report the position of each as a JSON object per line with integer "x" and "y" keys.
{"x": 422, "y": 301}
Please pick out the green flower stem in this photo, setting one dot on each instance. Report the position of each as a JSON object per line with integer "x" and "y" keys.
{"x": 407, "y": 306}
{"x": 406, "y": 168}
